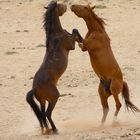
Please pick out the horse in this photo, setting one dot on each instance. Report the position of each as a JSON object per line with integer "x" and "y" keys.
{"x": 58, "y": 44}
{"x": 97, "y": 43}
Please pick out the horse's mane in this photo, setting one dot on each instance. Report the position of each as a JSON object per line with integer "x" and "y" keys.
{"x": 99, "y": 20}
{"x": 48, "y": 19}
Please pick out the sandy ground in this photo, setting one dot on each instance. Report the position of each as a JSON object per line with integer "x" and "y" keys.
{"x": 78, "y": 114}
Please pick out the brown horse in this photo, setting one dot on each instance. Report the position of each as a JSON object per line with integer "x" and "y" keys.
{"x": 58, "y": 43}
{"x": 97, "y": 43}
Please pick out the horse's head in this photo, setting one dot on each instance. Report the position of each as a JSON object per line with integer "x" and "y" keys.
{"x": 59, "y": 8}
{"x": 82, "y": 11}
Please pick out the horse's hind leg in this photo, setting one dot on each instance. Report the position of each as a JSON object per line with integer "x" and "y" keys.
{"x": 104, "y": 97}
{"x": 42, "y": 104}
{"x": 116, "y": 88}
{"x": 50, "y": 108}
{"x": 34, "y": 106}
{"x": 53, "y": 95}
{"x": 118, "y": 106}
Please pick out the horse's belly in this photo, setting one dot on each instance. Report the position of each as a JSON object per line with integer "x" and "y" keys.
{"x": 60, "y": 70}
{"x": 57, "y": 70}
{"x": 103, "y": 68}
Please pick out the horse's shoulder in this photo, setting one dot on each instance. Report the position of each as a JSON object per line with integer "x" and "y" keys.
{"x": 94, "y": 35}
{"x": 95, "y": 40}
{"x": 98, "y": 36}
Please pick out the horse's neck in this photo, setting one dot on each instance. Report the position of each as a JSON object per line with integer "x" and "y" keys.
{"x": 56, "y": 25}
{"x": 55, "y": 28}
{"x": 93, "y": 25}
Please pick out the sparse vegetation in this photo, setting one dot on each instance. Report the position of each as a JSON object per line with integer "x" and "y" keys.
{"x": 40, "y": 45}
{"x": 10, "y": 52}
{"x": 101, "y": 6}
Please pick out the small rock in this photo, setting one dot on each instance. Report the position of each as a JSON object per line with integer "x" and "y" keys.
{"x": 26, "y": 31}
{"x": 69, "y": 94}
{"x": 100, "y": 6}
{"x": 31, "y": 78}
{"x": 129, "y": 68}
{"x": 12, "y": 77}
{"x": 18, "y": 31}
{"x": 103, "y": 132}
{"x": 40, "y": 45}
{"x": 122, "y": 136}
{"x": 138, "y": 134}
{"x": 10, "y": 53}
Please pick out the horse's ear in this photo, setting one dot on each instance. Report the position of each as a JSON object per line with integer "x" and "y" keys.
{"x": 46, "y": 7}
{"x": 92, "y": 7}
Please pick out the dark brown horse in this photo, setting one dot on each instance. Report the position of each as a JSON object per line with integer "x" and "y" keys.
{"x": 58, "y": 43}
{"x": 97, "y": 43}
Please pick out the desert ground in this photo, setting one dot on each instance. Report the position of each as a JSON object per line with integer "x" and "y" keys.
{"x": 77, "y": 113}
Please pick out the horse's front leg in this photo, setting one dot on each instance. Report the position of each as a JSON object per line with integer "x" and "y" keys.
{"x": 77, "y": 37}
{"x": 84, "y": 44}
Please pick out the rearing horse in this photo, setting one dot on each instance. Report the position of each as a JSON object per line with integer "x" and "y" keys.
{"x": 58, "y": 43}
{"x": 97, "y": 43}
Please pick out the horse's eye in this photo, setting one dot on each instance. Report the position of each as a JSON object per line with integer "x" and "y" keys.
{"x": 85, "y": 7}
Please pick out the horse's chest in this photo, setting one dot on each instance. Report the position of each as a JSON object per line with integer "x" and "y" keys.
{"x": 69, "y": 42}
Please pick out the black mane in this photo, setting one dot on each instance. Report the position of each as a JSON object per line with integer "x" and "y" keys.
{"x": 48, "y": 19}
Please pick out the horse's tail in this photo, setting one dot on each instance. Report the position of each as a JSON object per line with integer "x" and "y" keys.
{"x": 126, "y": 96}
{"x": 34, "y": 106}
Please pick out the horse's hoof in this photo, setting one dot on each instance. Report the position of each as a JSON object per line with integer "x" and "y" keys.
{"x": 80, "y": 45}
{"x": 115, "y": 123}
{"x": 101, "y": 125}
{"x": 42, "y": 131}
{"x": 55, "y": 131}
{"x": 48, "y": 132}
